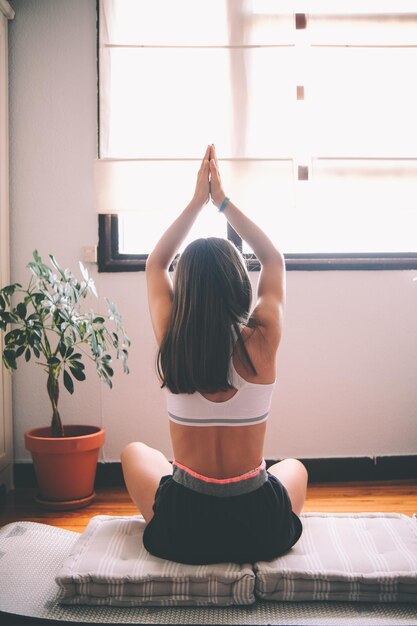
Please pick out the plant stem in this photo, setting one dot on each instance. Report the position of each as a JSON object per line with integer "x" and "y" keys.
{"x": 53, "y": 393}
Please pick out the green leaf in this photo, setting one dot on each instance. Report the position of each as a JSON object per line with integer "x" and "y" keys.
{"x": 20, "y": 351}
{"x": 62, "y": 349}
{"x": 9, "y": 318}
{"x": 12, "y": 337}
{"x": 38, "y": 297}
{"x": 36, "y": 351}
{"x": 10, "y": 289}
{"x": 59, "y": 318}
{"x": 77, "y": 373}
{"x": 2, "y": 303}
{"x": 28, "y": 354}
{"x": 82, "y": 329}
{"x": 56, "y": 266}
{"x": 68, "y": 383}
{"x": 53, "y": 360}
{"x": 108, "y": 369}
{"x": 34, "y": 317}
{"x": 37, "y": 257}
{"x": 100, "y": 371}
{"x": 21, "y": 310}
{"x": 35, "y": 269}
{"x": 98, "y": 320}
{"x": 9, "y": 357}
{"x": 77, "y": 365}
{"x": 94, "y": 344}
{"x": 104, "y": 377}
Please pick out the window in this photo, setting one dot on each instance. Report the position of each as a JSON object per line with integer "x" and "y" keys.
{"x": 312, "y": 115}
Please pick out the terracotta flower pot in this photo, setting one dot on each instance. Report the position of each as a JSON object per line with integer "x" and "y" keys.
{"x": 65, "y": 467}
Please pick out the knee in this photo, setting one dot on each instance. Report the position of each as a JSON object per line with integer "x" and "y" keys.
{"x": 301, "y": 468}
{"x": 298, "y": 468}
{"x": 134, "y": 448}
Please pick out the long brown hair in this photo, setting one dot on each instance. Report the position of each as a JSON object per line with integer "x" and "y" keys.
{"x": 212, "y": 298}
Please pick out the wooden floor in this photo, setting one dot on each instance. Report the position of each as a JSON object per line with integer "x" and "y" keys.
{"x": 391, "y": 496}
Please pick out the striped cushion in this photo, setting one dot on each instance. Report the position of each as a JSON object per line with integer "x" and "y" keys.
{"x": 109, "y": 566}
{"x": 346, "y": 557}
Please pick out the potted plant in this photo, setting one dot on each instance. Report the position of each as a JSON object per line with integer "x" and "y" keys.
{"x": 45, "y": 322}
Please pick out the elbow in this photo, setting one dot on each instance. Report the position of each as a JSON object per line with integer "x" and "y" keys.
{"x": 158, "y": 260}
{"x": 149, "y": 262}
{"x": 280, "y": 258}
{"x": 275, "y": 259}
{"x": 153, "y": 262}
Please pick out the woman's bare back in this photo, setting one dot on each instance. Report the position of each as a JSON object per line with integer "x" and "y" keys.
{"x": 227, "y": 451}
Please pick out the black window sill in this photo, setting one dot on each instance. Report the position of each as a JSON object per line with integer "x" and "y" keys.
{"x": 110, "y": 260}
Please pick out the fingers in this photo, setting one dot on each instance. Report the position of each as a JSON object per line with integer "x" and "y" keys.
{"x": 213, "y": 168}
{"x": 213, "y": 154}
{"x": 207, "y": 154}
{"x": 204, "y": 167}
{"x": 205, "y": 162}
{"x": 213, "y": 157}
{"x": 209, "y": 163}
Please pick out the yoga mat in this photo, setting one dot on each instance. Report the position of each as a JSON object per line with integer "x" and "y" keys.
{"x": 32, "y": 553}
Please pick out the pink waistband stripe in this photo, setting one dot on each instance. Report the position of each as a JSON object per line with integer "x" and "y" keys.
{"x": 222, "y": 481}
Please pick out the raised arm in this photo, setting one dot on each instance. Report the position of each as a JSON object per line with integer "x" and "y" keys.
{"x": 268, "y": 312}
{"x": 159, "y": 283}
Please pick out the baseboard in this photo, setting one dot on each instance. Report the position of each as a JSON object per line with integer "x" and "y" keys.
{"x": 327, "y": 470}
{"x": 361, "y": 469}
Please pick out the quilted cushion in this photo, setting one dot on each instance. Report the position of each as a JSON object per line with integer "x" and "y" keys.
{"x": 109, "y": 566}
{"x": 346, "y": 557}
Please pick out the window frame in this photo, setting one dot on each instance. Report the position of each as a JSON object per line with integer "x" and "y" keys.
{"x": 110, "y": 259}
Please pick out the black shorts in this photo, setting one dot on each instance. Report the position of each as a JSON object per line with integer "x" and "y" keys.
{"x": 243, "y": 521}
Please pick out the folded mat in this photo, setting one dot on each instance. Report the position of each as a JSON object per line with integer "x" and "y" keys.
{"x": 108, "y": 565}
{"x": 340, "y": 557}
{"x": 346, "y": 557}
{"x": 32, "y": 553}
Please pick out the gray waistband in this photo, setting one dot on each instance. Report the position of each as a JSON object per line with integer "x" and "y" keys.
{"x": 221, "y": 490}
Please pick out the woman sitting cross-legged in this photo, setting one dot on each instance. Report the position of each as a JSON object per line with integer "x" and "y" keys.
{"x": 217, "y": 362}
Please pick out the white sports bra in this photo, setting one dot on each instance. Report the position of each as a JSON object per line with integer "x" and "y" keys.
{"x": 250, "y": 405}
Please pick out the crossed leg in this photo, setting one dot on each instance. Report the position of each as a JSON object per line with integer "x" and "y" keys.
{"x": 294, "y": 477}
{"x": 143, "y": 468}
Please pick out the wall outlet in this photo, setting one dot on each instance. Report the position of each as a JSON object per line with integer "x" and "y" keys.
{"x": 89, "y": 254}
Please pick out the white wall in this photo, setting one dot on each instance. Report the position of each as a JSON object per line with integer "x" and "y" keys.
{"x": 348, "y": 361}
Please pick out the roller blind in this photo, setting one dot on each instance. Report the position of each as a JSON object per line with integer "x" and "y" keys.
{"x": 312, "y": 114}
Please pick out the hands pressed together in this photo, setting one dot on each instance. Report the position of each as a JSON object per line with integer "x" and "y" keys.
{"x": 209, "y": 184}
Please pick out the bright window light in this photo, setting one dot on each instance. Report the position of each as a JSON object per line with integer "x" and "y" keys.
{"x": 315, "y": 128}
